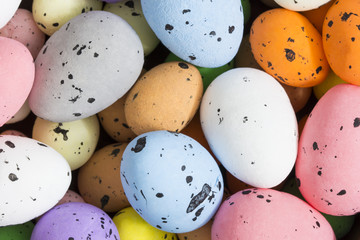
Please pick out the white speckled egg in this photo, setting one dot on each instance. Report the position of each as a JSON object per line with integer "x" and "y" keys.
{"x": 33, "y": 178}
{"x": 203, "y": 33}
{"x": 301, "y": 5}
{"x": 7, "y": 10}
{"x": 171, "y": 181}
{"x": 88, "y": 64}
{"x": 250, "y": 125}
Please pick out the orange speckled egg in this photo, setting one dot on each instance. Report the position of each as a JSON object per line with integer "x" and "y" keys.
{"x": 288, "y": 47}
{"x": 164, "y": 98}
{"x": 341, "y": 39}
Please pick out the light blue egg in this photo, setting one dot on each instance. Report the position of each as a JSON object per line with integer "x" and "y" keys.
{"x": 205, "y": 33}
{"x": 171, "y": 181}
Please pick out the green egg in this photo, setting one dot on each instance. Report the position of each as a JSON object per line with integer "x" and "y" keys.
{"x": 17, "y": 232}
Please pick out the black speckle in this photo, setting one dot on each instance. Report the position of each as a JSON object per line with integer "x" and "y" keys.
{"x": 290, "y": 40}
{"x": 77, "y": 114}
{"x": 186, "y": 11}
{"x": 356, "y": 122}
{"x": 315, "y": 146}
{"x": 140, "y": 144}
{"x": 115, "y": 152}
{"x": 41, "y": 144}
{"x": 13, "y": 177}
{"x": 59, "y": 130}
{"x": 135, "y": 14}
{"x": 135, "y": 96}
{"x": 125, "y": 125}
{"x": 319, "y": 173}
{"x": 91, "y": 100}
{"x": 158, "y": 226}
{"x": 199, "y": 198}
{"x": 245, "y": 192}
{"x": 290, "y": 55}
{"x": 79, "y": 52}
{"x": 353, "y": 39}
{"x": 212, "y": 33}
{"x": 42, "y": 25}
{"x": 130, "y": 4}
{"x": 192, "y": 58}
{"x": 183, "y": 65}
{"x": 183, "y": 167}
{"x": 231, "y": 29}
{"x": 159, "y": 195}
{"x": 317, "y": 224}
{"x": 342, "y": 192}
{"x": 96, "y": 55}
{"x": 260, "y": 196}
{"x": 169, "y": 27}
{"x": 219, "y": 39}
{"x": 189, "y": 179}
{"x": 330, "y": 23}
{"x": 70, "y": 76}
{"x": 318, "y": 70}
{"x": 55, "y": 24}
{"x": 10, "y": 144}
{"x": 104, "y": 201}
{"x": 44, "y": 51}
{"x": 346, "y": 16}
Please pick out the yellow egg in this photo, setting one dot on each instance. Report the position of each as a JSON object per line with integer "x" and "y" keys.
{"x": 331, "y": 80}
{"x": 75, "y": 141}
{"x": 132, "y": 226}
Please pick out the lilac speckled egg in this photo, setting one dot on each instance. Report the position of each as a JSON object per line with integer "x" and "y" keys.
{"x": 73, "y": 221}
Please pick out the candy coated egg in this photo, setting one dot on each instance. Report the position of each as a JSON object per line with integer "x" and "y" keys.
{"x": 17, "y": 76}
{"x": 21, "y": 114}
{"x": 51, "y": 15}
{"x": 164, "y": 98}
{"x": 298, "y": 96}
{"x": 327, "y": 165}
{"x": 75, "y": 140}
{"x": 17, "y": 232}
{"x": 7, "y": 10}
{"x": 203, "y": 233}
{"x": 70, "y": 196}
{"x": 98, "y": 58}
{"x": 245, "y": 57}
{"x": 171, "y": 170}
{"x": 340, "y": 38}
{"x": 13, "y": 132}
{"x": 331, "y": 80}
{"x": 33, "y": 178}
{"x": 301, "y": 5}
{"x": 203, "y": 33}
{"x": 75, "y": 220}
{"x": 287, "y": 46}
{"x": 99, "y": 180}
{"x": 268, "y": 214}
{"x": 132, "y": 226}
{"x": 249, "y": 129}
{"x": 317, "y": 16}
{"x": 132, "y": 13}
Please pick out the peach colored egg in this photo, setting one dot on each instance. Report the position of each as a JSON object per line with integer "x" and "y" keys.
{"x": 71, "y": 196}
{"x": 288, "y": 47}
{"x": 164, "y": 98}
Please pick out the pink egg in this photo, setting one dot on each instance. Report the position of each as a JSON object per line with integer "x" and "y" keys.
{"x": 22, "y": 27}
{"x": 328, "y": 163}
{"x": 17, "y": 71}
{"x": 268, "y": 214}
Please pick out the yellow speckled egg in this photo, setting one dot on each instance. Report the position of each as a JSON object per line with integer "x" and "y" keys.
{"x": 99, "y": 179}
{"x": 288, "y": 47}
{"x": 75, "y": 141}
{"x": 165, "y": 98}
{"x": 51, "y": 15}
{"x": 203, "y": 233}
{"x": 132, "y": 226}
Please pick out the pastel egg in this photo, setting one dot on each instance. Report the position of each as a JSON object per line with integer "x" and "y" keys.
{"x": 99, "y": 180}
{"x": 164, "y": 98}
{"x": 132, "y": 13}
{"x": 340, "y": 38}
{"x": 255, "y": 213}
{"x": 301, "y": 5}
{"x": 287, "y": 46}
{"x": 17, "y": 232}
{"x": 75, "y": 140}
{"x": 331, "y": 80}
{"x": 17, "y": 76}
{"x": 34, "y": 177}
{"x": 197, "y": 31}
{"x": 203, "y": 233}
{"x": 7, "y": 10}
{"x": 249, "y": 129}
{"x": 171, "y": 170}
{"x": 51, "y": 15}
{"x": 21, "y": 114}
{"x": 75, "y": 220}
{"x": 98, "y": 58}
{"x": 327, "y": 166}
{"x": 132, "y": 226}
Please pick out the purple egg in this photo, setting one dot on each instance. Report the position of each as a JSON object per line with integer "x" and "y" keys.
{"x": 75, "y": 220}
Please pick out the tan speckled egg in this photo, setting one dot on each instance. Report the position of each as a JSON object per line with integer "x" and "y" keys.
{"x": 203, "y": 233}
{"x": 99, "y": 179}
{"x": 76, "y": 141}
{"x": 165, "y": 98}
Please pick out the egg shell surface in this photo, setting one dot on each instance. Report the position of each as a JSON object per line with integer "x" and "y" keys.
{"x": 21, "y": 114}
{"x": 171, "y": 170}
{"x": 203, "y": 233}
{"x": 7, "y": 10}
{"x": 327, "y": 165}
{"x": 203, "y": 33}
{"x": 301, "y": 5}
{"x": 287, "y": 46}
{"x": 73, "y": 221}
{"x": 33, "y": 178}
{"x": 268, "y": 214}
{"x": 86, "y": 66}
{"x": 249, "y": 129}
{"x": 17, "y": 232}
{"x": 17, "y": 77}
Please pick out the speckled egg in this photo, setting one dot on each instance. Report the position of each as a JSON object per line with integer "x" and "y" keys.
{"x": 203, "y": 33}
{"x": 70, "y": 196}
{"x": 99, "y": 180}
{"x": 299, "y": 96}
{"x": 245, "y": 57}
{"x": 51, "y": 15}
{"x": 301, "y": 5}
{"x": 288, "y": 46}
{"x": 327, "y": 164}
{"x": 164, "y": 98}
{"x": 317, "y": 16}
{"x": 74, "y": 220}
{"x": 33, "y": 178}
{"x": 98, "y": 58}
{"x": 132, "y": 226}
{"x": 23, "y": 28}
{"x": 17, "y": 232}
{"x": 21, "y": 114}
{"x": 341, "y": 37}
{"x": 7, "y": 10}
{"x": 132, "y": 13}
{"x": 171, "y": 170}
{"x": 17, "y": 76}
{"x": 203, "y": 233}
{"x": 268, "y": 214}
{"x": 250, "y": 128}
{"x": 75, "y": 140}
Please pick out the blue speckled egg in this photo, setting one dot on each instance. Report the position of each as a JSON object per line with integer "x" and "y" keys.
{"x": 204, "y": 33}
{"x": 171, "y": 181}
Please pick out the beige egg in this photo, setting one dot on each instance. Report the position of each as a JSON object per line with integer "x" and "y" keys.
{"x": 21, "y": 114}
{"x": 165, "y": 98}
{"x": 76, "y": 141}
{"x": 99, "y": 179}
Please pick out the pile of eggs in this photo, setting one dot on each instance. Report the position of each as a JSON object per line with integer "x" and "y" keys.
{"x": 197, "y": 120}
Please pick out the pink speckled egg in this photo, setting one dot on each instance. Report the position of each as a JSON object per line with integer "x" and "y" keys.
{"x": 268, "y": 214}
{"x": 328, "y": 163}
{"x": 17, "y": 76}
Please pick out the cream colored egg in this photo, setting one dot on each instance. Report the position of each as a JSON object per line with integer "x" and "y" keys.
{"x": 21, "y": 114}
